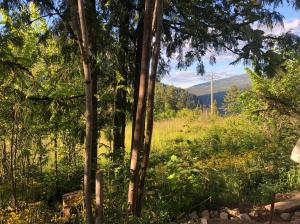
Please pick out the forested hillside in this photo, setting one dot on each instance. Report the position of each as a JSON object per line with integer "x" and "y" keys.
{"x": 221, "y": 85}
{"x": 88, "y": 134}
{"x": 220, "y": 88}
{"x": 169, "y": 100}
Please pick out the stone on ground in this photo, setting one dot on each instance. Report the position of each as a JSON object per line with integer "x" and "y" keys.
{"x": 289, "y": 205}
{"x": 223, "y": 215}
{"x": 232, "y": 212}
{"x": 244, "y": 217}
{"x": 193, "y": 215}
{"x": 205, "y": 214}
{"x": 295, "y": 221}
{"x": 285, "y": 216}
{"x": 204, "y": 221}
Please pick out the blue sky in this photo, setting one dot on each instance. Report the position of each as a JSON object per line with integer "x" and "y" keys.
{"x": 222, "y": 69}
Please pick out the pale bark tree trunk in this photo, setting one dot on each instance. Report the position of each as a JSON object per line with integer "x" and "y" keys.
{"x": 99, "y": 197}
{"x": 84, "y": 46}
{"x": 150, "y": 101}
{"x": 137, "y": 72}
{"x": 140, "y": 113}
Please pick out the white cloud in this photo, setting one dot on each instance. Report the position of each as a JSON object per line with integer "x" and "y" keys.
{"x": 289, "y": 25}
{"x": 185, "y": 79}
{"x": 225, "y": 56}
{"x": 189, "y": 77}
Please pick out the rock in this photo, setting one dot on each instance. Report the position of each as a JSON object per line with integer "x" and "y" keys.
{"x": 205, "y": 214}
{"x": 204, "y": 221}
{"x": 264, "y": 213}
{"x": 191, "y": 222}
{"x": 182, "y": 220}
{"x": 296, "y": 215}
{"x": 223, "y": 215}
{"x": 245, "y": 217}
{"x": 193, "y": 215}
{"x": 295, "y": 221}
{"x": 289, "y": 205}
{"x": 234, "y": 218}
{"x": 285, "y": 216}
{"x": 253, "y": 214}
{"x": 214, "y": 214}
{"x": 233, "y": 212}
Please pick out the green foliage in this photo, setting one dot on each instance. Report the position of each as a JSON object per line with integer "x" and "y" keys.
{"x": 231, "y": 160}
{"x": 231, "y": 100}
{"x": 169, "y": 100}
{"x": 277, "y": 96}
{"x": 196, "y": 159}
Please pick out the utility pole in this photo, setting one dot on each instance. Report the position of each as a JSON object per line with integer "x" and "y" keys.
{"x": 211, "y": 94}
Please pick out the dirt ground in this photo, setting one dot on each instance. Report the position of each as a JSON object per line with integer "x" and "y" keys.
{"x": 220, "y": 221}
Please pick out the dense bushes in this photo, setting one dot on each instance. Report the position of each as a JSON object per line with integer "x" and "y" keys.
{"x": 197, "y": 161}
{"x": 219, "y": 161}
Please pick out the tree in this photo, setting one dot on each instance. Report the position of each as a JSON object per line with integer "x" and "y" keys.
{"x": 150, "y": 101}
{"x": 138, "y": 134}
{"x": 90, "y": 125}
{"x": 120, "y": 99}
{"x": 230, "y": 100}
{"x": 222, "y": 26}
{"x": 276, "y": 96}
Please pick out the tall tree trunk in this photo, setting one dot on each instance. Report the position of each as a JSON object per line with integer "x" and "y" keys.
{"x": 84, "y": 46}
{"x": 56, "y": 163}
{"x": 12, "y": 168}
{"x": 40, "y": 156}
{"x": 120, "y": 102}
{"x": 150, "y": 101}
{"x": 95, "y": 128}
{"x": 4, "y": 161}
{"x": 137, "y": 71}
{"x": 93, "y": 32}
{"x": 140, "y": 113}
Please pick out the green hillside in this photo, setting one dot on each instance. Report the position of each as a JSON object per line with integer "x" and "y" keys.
{"x": 221, "y": 85}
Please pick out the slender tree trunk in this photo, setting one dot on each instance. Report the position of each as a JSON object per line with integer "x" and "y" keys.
{"x": 84, "y": 46}
{"x": 140, "y": 113}
{"x": 93, "y": 32}
{"x": 99, "y": 197}
{"x": 137, "y": 71}
{"x": 150, "y": 101}
{"x": 56, "y": 163}
{"x": 12, "y": 169}
{"x": 120, "y": 102}
{"x": 4, "y": 161}
{"x": 41, "y": 157}
{"x": 95, "y": 128}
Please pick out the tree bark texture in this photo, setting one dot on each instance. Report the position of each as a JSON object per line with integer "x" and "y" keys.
{"x": 150, "y": 106}
{"x": 99, "y": 197}
{"x": 137, "y": 71}
{"x": 93, "y": 32}
{"x": 84, "y": 46}
{"x": 140, "y": 113}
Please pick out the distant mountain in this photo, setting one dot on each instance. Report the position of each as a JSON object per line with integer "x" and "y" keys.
{"x": 220, "y": 87}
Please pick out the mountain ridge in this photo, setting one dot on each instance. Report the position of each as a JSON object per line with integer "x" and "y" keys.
{"x": 220, "y": 88}
{"x": 242, "y": 81}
